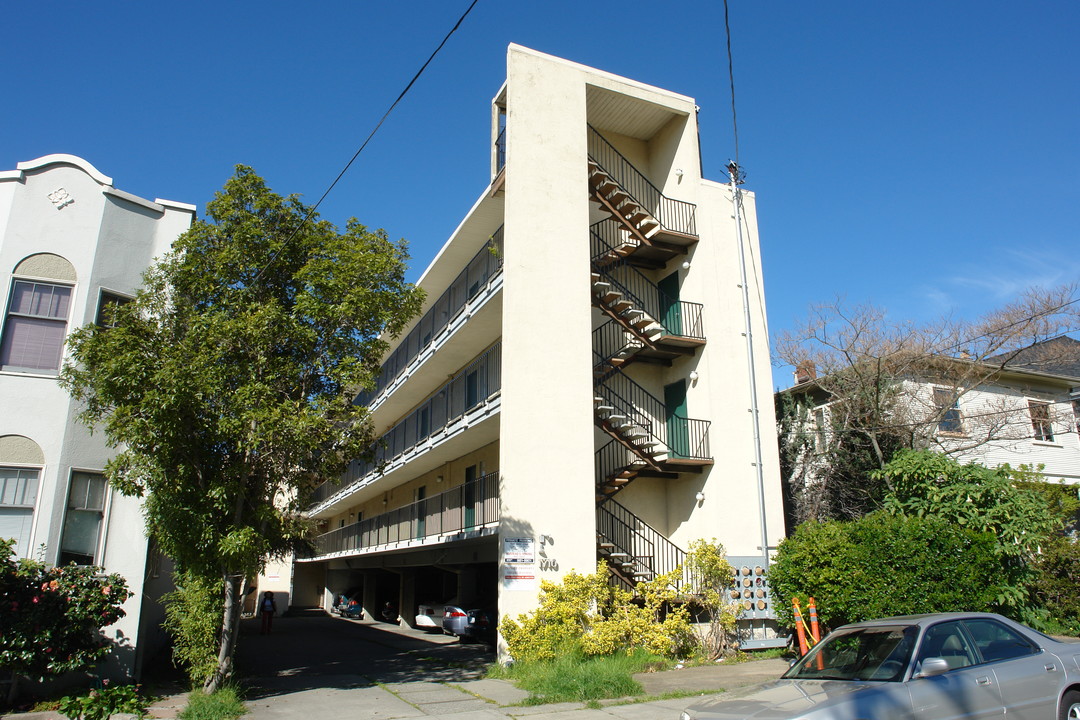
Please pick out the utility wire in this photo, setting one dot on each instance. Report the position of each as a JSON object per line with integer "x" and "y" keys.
{"x": 731, "y": 78}
{"x": 378, "y": 125}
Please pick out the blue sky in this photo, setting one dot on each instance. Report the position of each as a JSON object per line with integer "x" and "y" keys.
{"x": 921, "y": 156}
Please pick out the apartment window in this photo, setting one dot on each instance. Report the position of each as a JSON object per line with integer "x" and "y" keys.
{"x": 1076, "y": 414}
{"x": 18, "y": 493}
{"x": 35, "y": 327}
{"x": 948, "y": 411}
{"x": 1041, "y": 425}
{"x": 107, "y": 306}
{"x": 84, "y": 518}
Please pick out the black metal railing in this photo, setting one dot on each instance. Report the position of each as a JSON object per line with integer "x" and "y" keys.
{"x": 672, "y": 214}
{"x": 612, "y": 340}
{"x": 613, "y": 458}
{"x": 467, "y": 285}
{"x": 500, "y": 150}
{"x": 684, "y": 438}
{"x": 676, "y": 317}
{"x": 460, "y": 509}
{"x": 651, "y": 552}
{"x": 470, "y": 388}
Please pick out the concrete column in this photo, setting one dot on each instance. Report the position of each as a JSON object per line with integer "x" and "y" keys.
{"x": 407, "y": 597}
{"x": 546, "y": 423}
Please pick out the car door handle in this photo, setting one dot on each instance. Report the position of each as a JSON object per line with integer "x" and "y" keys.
{"x": 1050, "y": 668}
{"x": 982, "y": 680}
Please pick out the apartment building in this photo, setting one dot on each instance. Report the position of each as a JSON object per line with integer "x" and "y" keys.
{"x": 578, "y": 385}
{"x": 71, "y": 244}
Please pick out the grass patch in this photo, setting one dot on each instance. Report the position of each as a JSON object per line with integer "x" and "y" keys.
{"x": 225, "y": 704}
{"x": 574, "y": 678}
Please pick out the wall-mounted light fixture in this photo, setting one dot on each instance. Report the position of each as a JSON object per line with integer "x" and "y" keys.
{"x": 679, "y": 173}
{"x": 700, "y": 497}
{"x": 694, "y": 375}
{"x": 686, "y": 265}
{"x": 438, "y": 478}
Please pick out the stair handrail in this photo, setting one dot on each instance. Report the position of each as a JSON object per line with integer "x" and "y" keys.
{"x": 688, "y": 312}
{"x": 664, "y": 556}
{"x": 607, "y": 337}
{"x": 650, "y": 413}
{"x": 611, "y": 459}
{"x": 672, "y": 214}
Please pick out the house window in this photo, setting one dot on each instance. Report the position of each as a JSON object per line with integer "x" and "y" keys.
{"x": 1041, "y": 424}
{"x": 107, "y": 306}
{"x": 84, "y": 518}
{"x": 18, "y": 493}
{"x": 1076, "y": 414}
{"x": 35, "y": 327}
{"x": 948, "y": 411}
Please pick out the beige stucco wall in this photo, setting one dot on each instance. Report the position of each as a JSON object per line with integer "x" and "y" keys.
{"x": 546, "y": 436}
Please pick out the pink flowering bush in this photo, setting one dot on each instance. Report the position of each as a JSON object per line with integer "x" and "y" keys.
{"x": 51, "y": 618}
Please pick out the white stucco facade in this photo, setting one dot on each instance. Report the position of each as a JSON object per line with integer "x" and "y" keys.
{"x": 519, "y": 439}
{"x": 67, "y": 233}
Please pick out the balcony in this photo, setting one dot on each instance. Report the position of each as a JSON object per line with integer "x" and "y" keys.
{"x": 438, "y": 321}
{"x": 429, "y": 423}
{"x": 464, "y": 511}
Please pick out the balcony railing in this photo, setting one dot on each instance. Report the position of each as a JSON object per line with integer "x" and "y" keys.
{"x": 672, "y": 214}
{"x": 467, "y": 285}
{"x": 460, "y": 509}
{"x": 685, "y": 438}
{"x": 500, "y": 150}
{"x": 475, "y": 385}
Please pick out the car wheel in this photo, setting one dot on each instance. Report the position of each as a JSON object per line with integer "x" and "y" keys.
{"x": 1070, "y": 706}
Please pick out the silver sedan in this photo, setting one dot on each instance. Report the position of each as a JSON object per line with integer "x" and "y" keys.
{"x": 930, "y": 667}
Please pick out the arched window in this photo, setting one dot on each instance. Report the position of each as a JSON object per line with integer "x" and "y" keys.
{"x": 19, "y": 482}
{"x": 37, "y": 315}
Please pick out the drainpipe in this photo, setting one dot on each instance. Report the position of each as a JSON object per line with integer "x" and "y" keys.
{"x": 733, "y": 174}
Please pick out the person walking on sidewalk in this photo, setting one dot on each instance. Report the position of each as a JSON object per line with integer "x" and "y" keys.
{"x": 267, "y": 608}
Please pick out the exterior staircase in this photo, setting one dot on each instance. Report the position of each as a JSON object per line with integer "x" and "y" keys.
{"x": 643, "y": 229}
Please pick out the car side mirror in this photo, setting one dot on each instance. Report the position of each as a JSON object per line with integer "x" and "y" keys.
{"x": 933, "y": 666}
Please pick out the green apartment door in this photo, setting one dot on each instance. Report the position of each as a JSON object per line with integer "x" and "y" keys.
{"x": 678, "y": 427}
{"x": 468, "y": 496}
{"x": 421, "y": 512}
{"x": 670, "y": 309}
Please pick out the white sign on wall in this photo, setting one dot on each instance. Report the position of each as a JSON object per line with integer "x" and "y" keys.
{"x": 519, "y": 551}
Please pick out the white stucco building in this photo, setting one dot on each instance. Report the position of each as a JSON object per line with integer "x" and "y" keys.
{"x": 577, "y": 385}
{"x": 71, "y": 244}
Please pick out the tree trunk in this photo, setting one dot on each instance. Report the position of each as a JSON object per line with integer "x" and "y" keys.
{"x": 230, "y": 626}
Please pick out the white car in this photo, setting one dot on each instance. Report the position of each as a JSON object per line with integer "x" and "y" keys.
{"x": 429, "y": 615}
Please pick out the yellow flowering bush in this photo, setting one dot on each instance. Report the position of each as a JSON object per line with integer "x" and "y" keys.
{"x": 585, "y": 614}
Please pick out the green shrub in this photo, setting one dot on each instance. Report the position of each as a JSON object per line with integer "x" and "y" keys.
{"x": 225, "y": 704}
{"x": 100, "y": 704}
{"x": 193, "y": 620}
{"x": 51, "y": 618}
{"x": 1057, "y": 586}
{"x": 882, "y": 565}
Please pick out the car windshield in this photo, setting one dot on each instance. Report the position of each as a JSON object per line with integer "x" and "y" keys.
{"x": 874, "y": 653}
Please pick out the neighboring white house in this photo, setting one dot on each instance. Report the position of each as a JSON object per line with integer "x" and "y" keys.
{"x": 1022, "y": 411}
{"x": 71, "y": 244}
{"x": 578, "y": 384}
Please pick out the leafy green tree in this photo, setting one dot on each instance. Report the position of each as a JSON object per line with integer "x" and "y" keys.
{"x": 227, "y": 383}
{"x": 51, "y": 618}
{"x": 882, "y": 565}
{"x": 714, "y": 613}
{"x": 192, "y": 618}
{"x": 1057, "y": 586}
{"x": 926, "y": 483}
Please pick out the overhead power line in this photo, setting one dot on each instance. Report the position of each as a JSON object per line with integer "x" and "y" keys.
{"x": 400, "y": 97}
